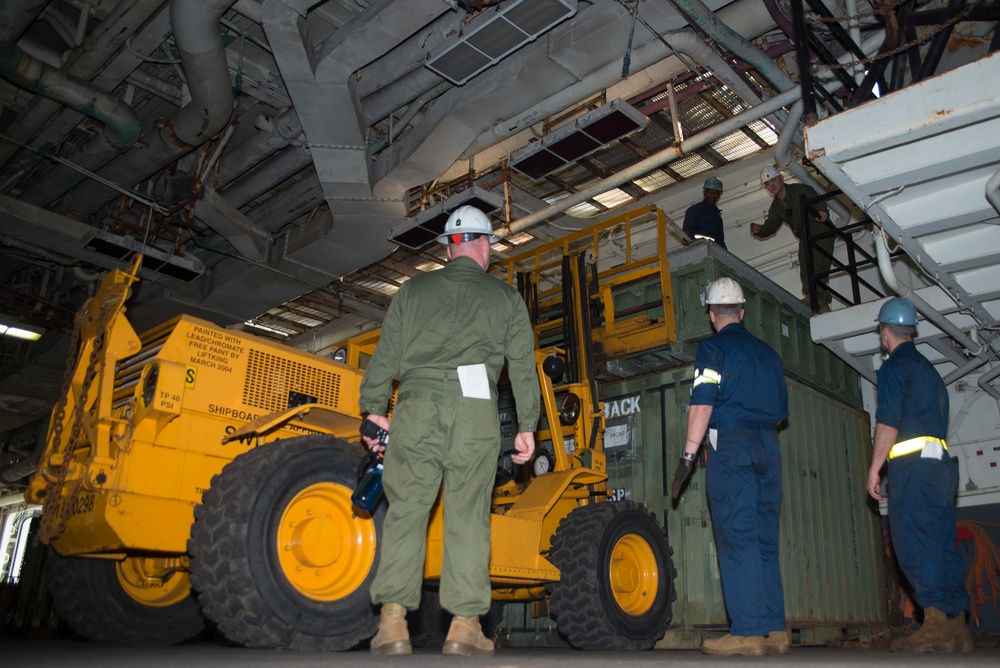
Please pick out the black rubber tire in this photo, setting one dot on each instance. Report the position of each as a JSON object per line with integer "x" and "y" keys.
{"x": 234, "y": 550}
{"x": 583, "y": 602}
{"x": 88, "y": 596}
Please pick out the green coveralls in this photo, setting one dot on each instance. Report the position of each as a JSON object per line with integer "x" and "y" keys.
{"x": 789, "y": 210}
{"x": 437, "y": 322}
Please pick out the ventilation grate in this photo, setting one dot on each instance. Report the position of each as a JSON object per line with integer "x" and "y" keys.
{"x": 273, "y": 383}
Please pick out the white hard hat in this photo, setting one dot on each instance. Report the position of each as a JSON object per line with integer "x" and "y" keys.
{"x": 466, "y": 220}
{"x": 725, "y": 291}
{"x": 767, "y": 173}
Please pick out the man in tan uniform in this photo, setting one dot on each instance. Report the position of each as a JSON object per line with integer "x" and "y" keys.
{"x": 446, "y": 336}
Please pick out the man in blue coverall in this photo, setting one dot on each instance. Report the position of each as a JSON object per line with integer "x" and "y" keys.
{"x": 739, "y": 398}
{"x": 704, "y": 220}
{"x": 911, "y": 423}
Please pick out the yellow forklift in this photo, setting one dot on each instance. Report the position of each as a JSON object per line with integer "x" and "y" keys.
{"x": 196, "y": 472}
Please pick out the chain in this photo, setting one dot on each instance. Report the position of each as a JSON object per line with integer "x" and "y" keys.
{"x": 905, "y": 47}
{"x": 56, "y": 513}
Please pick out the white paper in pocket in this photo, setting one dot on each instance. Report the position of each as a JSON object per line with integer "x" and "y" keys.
{"x": 474, "y": 381}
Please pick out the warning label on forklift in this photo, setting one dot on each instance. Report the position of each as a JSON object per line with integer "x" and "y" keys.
{"x": 214, "y": 349}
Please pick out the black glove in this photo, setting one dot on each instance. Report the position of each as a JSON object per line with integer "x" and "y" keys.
{"x": 682, "y": 473}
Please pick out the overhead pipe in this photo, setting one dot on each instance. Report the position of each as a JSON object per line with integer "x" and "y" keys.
{"x": 398, "y": 125}
{"x": 203, "y": 56}
{"x": 284, "y": 129}
{"x": 783, "y": 157}
{"x": 986, "y": 379}
{"x": 83, "y": 63}
{"x": 286, "y": 163}
{"x": 122, "y": 127}
{"x": 980, "y": 355}
{"x": 698, "y": 12}
{"x": 993, "y": 190}
{"x": 656, "y": 160}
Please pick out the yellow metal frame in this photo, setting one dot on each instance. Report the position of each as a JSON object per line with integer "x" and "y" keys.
{"x": 618, "y": 335}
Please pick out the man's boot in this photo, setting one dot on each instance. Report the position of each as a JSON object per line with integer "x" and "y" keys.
{"x": 776, "y": 642}
{"x": 936, "y": 635}
{"x": 960, "y": 631}
{"x": 465, "y": 638}
{"x": 729, "y": 645}
{"x": 393, "y": 636}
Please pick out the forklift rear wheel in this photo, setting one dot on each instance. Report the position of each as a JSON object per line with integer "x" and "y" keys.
{"x": 128, "y": 602}
{"x": 616, "y": 581}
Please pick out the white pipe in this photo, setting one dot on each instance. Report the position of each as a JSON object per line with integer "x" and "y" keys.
{"x": 993, "y": 190}
{"x": 925, "y": 309}
{"x": 854, "y": 30}
{"x": 784, "y": 158}
{"x": 984, "y": 382}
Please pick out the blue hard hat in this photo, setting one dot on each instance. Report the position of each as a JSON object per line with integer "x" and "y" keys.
{"x": 713, "y": 183}
{"x": 898, "y": 311}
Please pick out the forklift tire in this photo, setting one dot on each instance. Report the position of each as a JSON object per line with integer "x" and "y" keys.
{"x": 279, "y": 557}
{"x": 100, "y": 600}
{"x": 616, "y": 581}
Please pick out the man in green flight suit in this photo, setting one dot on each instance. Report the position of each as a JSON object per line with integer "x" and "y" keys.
{"x": 445, "y": 336}
{"x": 787, "y": 208}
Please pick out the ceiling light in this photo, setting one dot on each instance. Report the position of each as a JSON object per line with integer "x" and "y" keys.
{"x": 493, "y": 34}
{"x": 573, "y": 141}
{"x": 428, "y": 225}
{"x": 19, "y": 332}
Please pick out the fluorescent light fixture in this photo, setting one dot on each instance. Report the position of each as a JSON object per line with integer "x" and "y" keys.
{"x": 573, "y": 141}
{"x": 182, "y": 268}
{"x": 19, "y": 332}
{"x": 428, "y": 225}
{"x": 495, "y": 33}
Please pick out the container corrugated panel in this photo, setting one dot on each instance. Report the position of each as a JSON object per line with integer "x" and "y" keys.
{"x": 772, "y": 314}
{"x": 831, "y": 557}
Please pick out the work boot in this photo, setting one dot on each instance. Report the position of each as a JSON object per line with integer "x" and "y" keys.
{"x": 729, "y": 645}
{"x": 960, "y": 631}
{"x": 936, "y": 635}
{"x": 465, "y": 638}
{"x": 776, "y": 642}
{"x": 393, "y": 637}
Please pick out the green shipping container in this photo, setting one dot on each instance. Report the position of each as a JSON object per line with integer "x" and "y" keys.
{"x": 831, "y": 557}
{"x": 772, "y": 314}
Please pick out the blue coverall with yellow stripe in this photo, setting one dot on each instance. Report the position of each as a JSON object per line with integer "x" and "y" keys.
{"x": 741, "y": 377}
{"x": 923, "y": 480}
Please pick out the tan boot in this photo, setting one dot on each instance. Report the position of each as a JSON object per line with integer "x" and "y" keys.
{"x": 729, "y": 645}
{"x": 465, "y": 638}
{"x": 777, "y": 642}
{"x": 393, "y": 637}
{"x": 960, "y": 631}
{"x": 936, "y": 635}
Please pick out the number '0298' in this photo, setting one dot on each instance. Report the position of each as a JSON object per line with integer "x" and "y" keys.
{"x": 83, "y": 504}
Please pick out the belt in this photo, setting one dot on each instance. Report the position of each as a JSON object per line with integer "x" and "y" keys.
{"x": 430, "y": 374}
{"x": 739, "y": 423}
{"x": 918, "y": 444}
